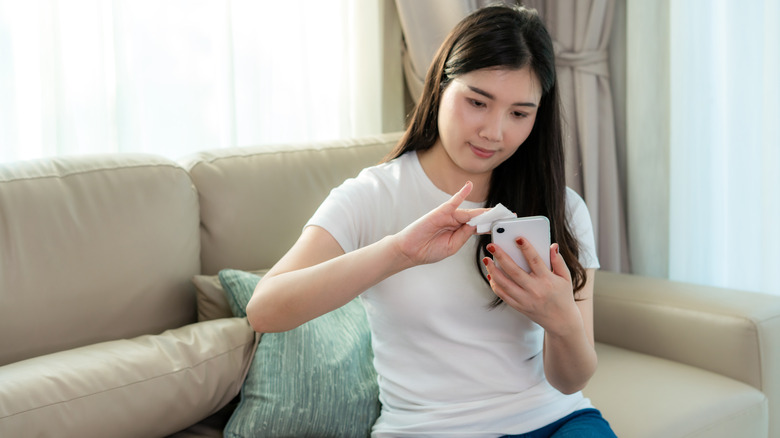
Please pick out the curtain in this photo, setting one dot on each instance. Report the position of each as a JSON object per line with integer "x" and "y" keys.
{"x": 647, "y": 109}
{"x": 173, "y": 77}
{"x": 581, "y": 32}
{"x": 425, "y": 24}
{"x": 724, "y": 210}
{"x": 703, "y": 105}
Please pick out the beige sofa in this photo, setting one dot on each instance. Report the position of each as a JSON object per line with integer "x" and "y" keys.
{"x": 99, "y": 329}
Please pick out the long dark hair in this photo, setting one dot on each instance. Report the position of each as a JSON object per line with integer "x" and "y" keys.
{"x": 533, "y": 180}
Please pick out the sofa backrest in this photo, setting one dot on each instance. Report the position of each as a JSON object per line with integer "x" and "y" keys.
{"x": 254, "y": 201}
{"x": 92, "y": 249}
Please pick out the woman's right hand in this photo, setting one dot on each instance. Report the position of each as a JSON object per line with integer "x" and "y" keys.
{"x": 440, "y": 233}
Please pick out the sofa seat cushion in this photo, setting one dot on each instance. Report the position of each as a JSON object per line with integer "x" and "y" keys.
{"x": 647, "y": 397}
{"x": 315, "y": 380}
{"x": 152, "y": 385}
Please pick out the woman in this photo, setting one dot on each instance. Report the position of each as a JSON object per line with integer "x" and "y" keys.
{"x": 461, "y": 348}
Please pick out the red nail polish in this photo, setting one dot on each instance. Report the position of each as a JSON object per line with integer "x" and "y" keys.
{"x": 520, "y": 241}
{"x": 491, "y": 248}
{"x": 488, "y": 277}
{"x": 485, "y": 260}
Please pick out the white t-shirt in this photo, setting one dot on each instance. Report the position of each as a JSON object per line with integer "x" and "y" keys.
{"x": 448, "y": 363}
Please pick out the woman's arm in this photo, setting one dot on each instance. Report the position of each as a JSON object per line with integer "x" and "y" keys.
{"x": 570, "y": 358}
{"x": 316, "y": 276}
{"x": 546, "y": 297}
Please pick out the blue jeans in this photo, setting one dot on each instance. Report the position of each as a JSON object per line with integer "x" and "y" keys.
{"x": 585, "y": 423}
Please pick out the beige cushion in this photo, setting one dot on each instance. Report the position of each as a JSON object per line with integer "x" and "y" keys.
{"x": 254, "y": 201}
{"x": 148, "y": 386}
{"x": 647, "y": 397}
{"x": 211, "y": 298}
{"x": 94, "y": 249}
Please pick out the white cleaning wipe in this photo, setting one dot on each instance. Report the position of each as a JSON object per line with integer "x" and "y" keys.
{"x": 486, "y": 219}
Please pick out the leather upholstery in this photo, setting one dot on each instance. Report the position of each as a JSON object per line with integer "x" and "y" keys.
{"x": 93, "y": 249}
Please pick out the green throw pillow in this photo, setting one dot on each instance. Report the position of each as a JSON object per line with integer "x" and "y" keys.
{"x": 317, "y": 380}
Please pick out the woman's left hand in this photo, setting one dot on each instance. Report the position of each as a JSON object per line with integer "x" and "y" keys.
{"x": 543, "y": 295}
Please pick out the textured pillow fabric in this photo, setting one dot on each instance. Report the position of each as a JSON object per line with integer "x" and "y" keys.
{"x": 316, "y": 380}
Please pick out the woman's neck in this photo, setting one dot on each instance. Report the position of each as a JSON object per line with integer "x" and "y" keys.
{"x": 450, "y": 178}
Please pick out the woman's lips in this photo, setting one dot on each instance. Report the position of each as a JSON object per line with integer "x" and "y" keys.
{"x": 482, "y": 153}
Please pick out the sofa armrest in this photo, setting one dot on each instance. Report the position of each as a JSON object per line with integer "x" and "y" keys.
{"x": 152, "y": 385}
{"x": 731, "y": 332}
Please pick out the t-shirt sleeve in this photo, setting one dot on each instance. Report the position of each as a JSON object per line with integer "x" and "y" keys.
{"x": 582, "y": 227}
{"x": 345, "y": 212}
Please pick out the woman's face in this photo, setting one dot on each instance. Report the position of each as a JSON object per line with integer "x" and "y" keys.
{"x": 485, "y": 115}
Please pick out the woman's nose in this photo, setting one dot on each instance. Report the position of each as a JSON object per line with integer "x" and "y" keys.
{"x": 492, "y": 129}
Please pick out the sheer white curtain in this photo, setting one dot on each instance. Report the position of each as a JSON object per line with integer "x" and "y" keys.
{"x": 173, "y": 77}
{"x": 724, "y": 197}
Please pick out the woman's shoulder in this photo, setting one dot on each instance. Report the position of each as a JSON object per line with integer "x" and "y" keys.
{"x": 387, "y": 172}
{"x": 576, "y": 207}
{"x": 574, "y": 199}
{"x": 382, "y": 177}
{"x": 386, "y": 166}
{"x": 581, "y": 224}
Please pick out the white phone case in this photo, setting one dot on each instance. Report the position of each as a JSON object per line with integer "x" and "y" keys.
{"x": 535, "y": 229}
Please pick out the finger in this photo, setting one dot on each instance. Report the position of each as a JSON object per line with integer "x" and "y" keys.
{"x": 535, "y": 261}
{"x": 465, "y": 215}
{"x": 461, "y": 235}
{"x": 459, "y": 197}
{"x": 557, "y": 262}
{"x": 506, "y": 264}
{"x": 449, "y": 208}
{"x": 500, "y": 283}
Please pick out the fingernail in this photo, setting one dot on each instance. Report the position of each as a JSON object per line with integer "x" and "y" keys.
{"x": 488, "y": 277}
{"x": 485, "y": 260}
{"x": 556, "y": 249}
{"x": 491, "y": 248}
{"x": 520, "y": 241}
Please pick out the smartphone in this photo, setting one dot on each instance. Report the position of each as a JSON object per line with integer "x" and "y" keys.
{"x": 534, "y": 229}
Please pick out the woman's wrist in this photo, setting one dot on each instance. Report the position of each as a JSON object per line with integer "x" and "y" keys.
{"x": 398, "y": 258}
{"x": 567, "y": 327}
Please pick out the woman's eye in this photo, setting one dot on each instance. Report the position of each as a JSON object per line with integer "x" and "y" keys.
{"x": 477, "y": 103}
{"x": 519, "y": 115}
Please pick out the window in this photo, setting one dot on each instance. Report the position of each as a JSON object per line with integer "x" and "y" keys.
{"x": 174, "y": 77}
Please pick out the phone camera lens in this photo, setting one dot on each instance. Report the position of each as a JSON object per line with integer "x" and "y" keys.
{"x": 499, "y": 230}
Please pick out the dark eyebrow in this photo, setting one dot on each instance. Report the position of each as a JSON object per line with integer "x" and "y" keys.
{"x": 491, "y": 97}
